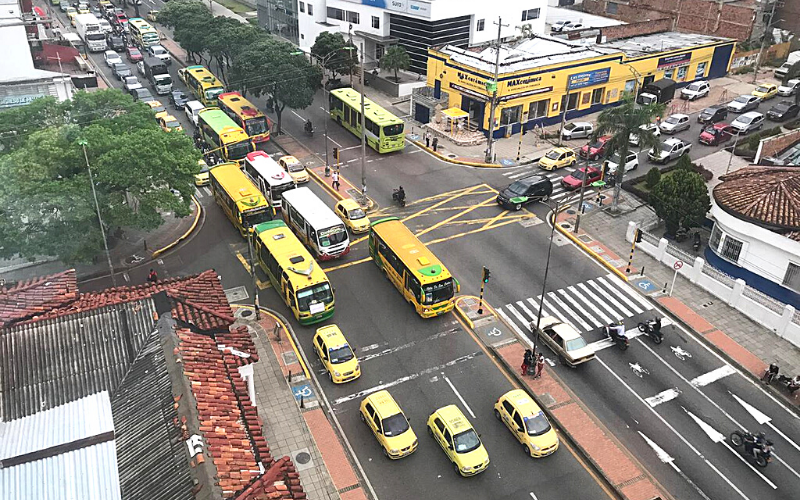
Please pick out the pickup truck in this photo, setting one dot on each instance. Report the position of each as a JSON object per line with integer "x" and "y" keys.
{"x": 671, "y": 149}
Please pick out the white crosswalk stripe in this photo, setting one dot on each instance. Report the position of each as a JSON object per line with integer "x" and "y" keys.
{"x": 559, "y": 193}
{"x": 197, "y": 193}
{"x": 585, "y": 306}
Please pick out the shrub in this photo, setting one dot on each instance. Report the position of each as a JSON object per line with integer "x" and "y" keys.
{"x": 685, "y": 163}
{"x": 652, "y": 178}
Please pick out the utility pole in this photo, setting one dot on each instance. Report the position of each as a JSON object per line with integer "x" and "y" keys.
{"x": 764, "y": 39}
{"x": 363, "y": 132}
{"x": 493, "y": 108}
{"x": 256, "y": 305}
{"x": 546, "y": 269}
{"x": 97, "y": 208}
{"x": 580, "y": 199}
{"x": 564, "y": 115}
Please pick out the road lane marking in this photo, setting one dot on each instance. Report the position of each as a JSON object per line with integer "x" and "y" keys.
{"x": 556, "y": 311}
{"x": 663, "y": 397}
{"x": 611, "y": 299}
{"x": 459, "y": 193}
{"x": 595, "y": 308}
{"x": 712, "y": 376}
{"x": 509, "y": 322}
{"x": 342, "y": 266}
{"x": 526, "y": 311}
{"x": 536, "y": 306}
{"x": 580, "y": 308}
{"x": 371, "y": 347}
{"x": 391, "y": 350}
{"x": 569, "y": 310}
{"x": 665, "y": 458}
{"x": 458, "y": 394}
{"x": 457, "y": 215}
{"x": 621, "y": 296}
{"x": 519, "y": 316}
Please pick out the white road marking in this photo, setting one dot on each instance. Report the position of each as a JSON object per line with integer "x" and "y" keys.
{"x": 625, "y": 288}
{"x": 519, "y": 316}
{"x": 712, "y": 376}
{"x": 297, "y": 115}
{"x": 371, "y": 347}
{"x": 569, "y": 310}
{"x": 599, "y": 303}
{"x": 207, "y": 190}
{"x": 197, "y": 193}
{"x": 663, "y": 397}
{"x": 556, "y": 311}
{"x": 526, "y": 311}
{"x": 458, "y": 394}
{"x": 611, "y": 299}
{"x": 594, "y": 307}
{"x": 351, "y": 147}
{"x": 580, "y": 308}
{"x": 391, "y": 350}
{"x": 509, "y": 322}
{"x": 533, "y": 496}
{"x": 667, "y": 459}
{"x": 762, "y": 419}
{"x": 621, "y": 296}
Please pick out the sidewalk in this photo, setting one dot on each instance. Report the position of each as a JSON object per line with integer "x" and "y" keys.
{"x": 295, "y": 423}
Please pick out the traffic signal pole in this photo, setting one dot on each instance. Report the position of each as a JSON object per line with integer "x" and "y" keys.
{"x": 484, "y": 280}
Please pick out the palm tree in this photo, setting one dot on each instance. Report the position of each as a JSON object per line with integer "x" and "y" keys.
{"x": 620, "y": 122}
{"x": 395, "y": 58}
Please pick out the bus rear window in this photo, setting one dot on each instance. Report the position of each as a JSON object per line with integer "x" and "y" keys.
{"x": 390, "y": 130}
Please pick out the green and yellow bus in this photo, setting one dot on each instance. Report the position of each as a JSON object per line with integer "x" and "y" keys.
{"x": 223, "y": 135}
{"x": 203, "y": 84}
{"x": 239, "y": 198}
{"x": 300, "y": 281}
{"x": 246, "y": 115}
{"x": 142, "y": 33}
{"x": 384, "y": 130}
{"x": 412, "y": 268}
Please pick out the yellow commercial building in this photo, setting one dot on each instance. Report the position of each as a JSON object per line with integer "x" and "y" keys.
{"x": 540, "y": 77}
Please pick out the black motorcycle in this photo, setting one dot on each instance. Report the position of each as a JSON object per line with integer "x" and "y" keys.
{"x": 399, "y": 196}
{"x": 620, "y": 339}
{"x": 309, "y": 128}
{"x": 759, "y": 449}
{"x": 652, "y": 328}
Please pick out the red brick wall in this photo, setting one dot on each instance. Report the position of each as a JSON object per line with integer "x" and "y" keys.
{"x": 635, "y": 29}
{"x": 774, "y": 145}
{"x": 790, "y": 13}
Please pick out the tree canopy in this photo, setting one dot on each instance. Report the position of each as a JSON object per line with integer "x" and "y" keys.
{"x": 335, "y": 54}
{"x": 46, "y": 204}
{"x": 395, "y": 58}
{"x": 681, "y": 199}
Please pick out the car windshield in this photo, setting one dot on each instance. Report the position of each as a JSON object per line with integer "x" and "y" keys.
{"x": 578, "y": 174}
{"x": 296, "y": 167}
{"x": 314, "y": 295}
{"x": 744, "y": 119}
{"x": 158, "y": 109}
{"x": 570, "y": 127}
{"x": 173, "y": 124}
{"x": 356, "y": 213}
{"x": 341, "y": 354}
{"x": 518, "y": 188}
{"x": 537, "y": 424}
{"x": 762, "y": 88}
{"x": 438, "y": 292}
{"x": 695, "y": 87}
{"x": 553, "y": 155}
{"x": 390, "y": 130}
{"x": 781, "y": 107}
{"x": 332, "y": 236}
{"x": 743, "y": 99}
{"x": 672, "y": 119}
{"x": 710, "y": 130}
{"x": 135, "y": 52}
{"x": 596, "y": 145}
{"x": 256, "y": 126}
{"x": 708, "y": 111}
{"x": 158, "y": 51}
{"x": 466, "y": 441}
{"x": 575, "y": 344}
{"x": 394, "y": 425}
{"x": 665, "y": 146}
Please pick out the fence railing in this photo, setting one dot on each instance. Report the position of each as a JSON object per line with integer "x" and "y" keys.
{"x": 650, "y": 238}
{"x": 680, "y": 254}
{"x": 719, "y": 276}
{"x": 763, "y": 299}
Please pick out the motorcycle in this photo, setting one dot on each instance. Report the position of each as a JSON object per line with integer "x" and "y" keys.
{"x": 652, "y": 328}
{"x": 309, "y": 128}
{"x": 620, "y": 339}
{"x": 696, "y": 243}
{"x": 761, "y": 452}
{"x": 399, "y": 197}
{"x": 770, "y": 373}
{"x": 790, "y": 383}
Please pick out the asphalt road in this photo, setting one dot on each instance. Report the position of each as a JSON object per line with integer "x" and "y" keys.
{"x": 431, "y": 363}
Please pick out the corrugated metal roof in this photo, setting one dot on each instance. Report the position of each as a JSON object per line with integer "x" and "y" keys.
{"x": 87, "y": 474}
{"x": 80, "y": 419}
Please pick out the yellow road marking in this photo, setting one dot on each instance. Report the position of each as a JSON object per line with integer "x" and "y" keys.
{"x": 342, "y": 266}
{"x": 462, "y": 193}
{"x": 492, "y": 221}
{"x": 459, "y": 214}
{"x": 442, "y": 195}
{"x": 260, "y": 284}
{"x": 448, "y": 238}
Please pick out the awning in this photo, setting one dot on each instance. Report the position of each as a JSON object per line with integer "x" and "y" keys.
{"x": 385, "y": 40}
{"x": 454, "y": 117}
{"x": 455, "y": 113}
{"x": 38, "y": 11}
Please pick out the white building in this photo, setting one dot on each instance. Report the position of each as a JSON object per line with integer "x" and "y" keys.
{"x": 413, "y": 24}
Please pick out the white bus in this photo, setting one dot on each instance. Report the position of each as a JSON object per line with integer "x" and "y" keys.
{"x": 315, "y": 224}
{"x": 271, "y": 179}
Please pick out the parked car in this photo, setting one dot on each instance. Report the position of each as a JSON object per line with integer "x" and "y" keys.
{"x": 766, "y": 91}
{"x": 695, "y": 90}
{"x": 111, "y": 58}
{"x": 780, "y": 73}
{"x": 596, "y": 149}
{"x": 577, "y": 130}
{"x": 715, "y": 134}
{"x": 744, "y": 103}
{"x": 178, "y": 98}
{"x": 585, "y": 175}
{"x": 790, "y": 88}
{"x": 133, "y": 53}
{"x": 611, "y": 164}
{"x": 558, "y": 158}
{"x": 633, "y": 139}
{"x": 573, "y": 27}
{"x": 131, "y": 83}
{"x": 675, "y": 123}
{"x": 115, "y": 42}
{"x": 571, "y": 349}
{"x": 748, "y": 122}
{"x": 783, "y": 111}
{"x": 121, "y": 70}
{"x": 713, "y": 114}
{"x": 524, "y": 191}
{"x": 671, "y": 149}
{"x": 559, "y": 26}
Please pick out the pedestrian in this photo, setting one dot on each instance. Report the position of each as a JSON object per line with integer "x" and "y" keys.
{"x": 335, "y": 182}
{"x": 435, "y": 143}
{"x": 539, "y": 365}
{"x": 153, "y": 276}
{"x": 527, "y": 360}
{"x": 428, "y": 140}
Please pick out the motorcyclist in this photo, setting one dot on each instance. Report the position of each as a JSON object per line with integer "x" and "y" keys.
{"x": 616, "y": 330}
{"x": 771, "y": 373}
{"x": 793, "y": 384}
{"x": 756, "y": 444}
{"x": 309, "y": 127}
{"x": 401, "y": 194}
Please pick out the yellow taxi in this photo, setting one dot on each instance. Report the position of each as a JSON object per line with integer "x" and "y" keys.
{"x": 459, "y": 441}
{"x": 157, "y": 108}
{"x": 296, "y": 169}
{"x": 71, "y": 13}
{"x": 527, "y": 423}
{"x": 83, "y": 8}
{"x": 766, "y": 91}
{"x": 336, "y": 355}
{"x": 352, "y": 215}
{"x": 558, "y": 158}
{"x": 152, "y": 15}
{"x": 201, "y": 178}
{"x": 390, "y": 426}
{"x": 169, "y": 123}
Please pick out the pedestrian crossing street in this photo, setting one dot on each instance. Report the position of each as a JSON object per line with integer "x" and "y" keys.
{"x": 586, "y": 306}
{"x": 559, "y": 193}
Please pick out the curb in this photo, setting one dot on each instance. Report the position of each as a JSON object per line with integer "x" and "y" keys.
{"x": 451, "y": 160}
{"x": 591, "y": 252}
{"x": 182, "y": 237}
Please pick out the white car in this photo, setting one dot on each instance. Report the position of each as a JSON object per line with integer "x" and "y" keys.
{"x": 633, "y": 139}
{"x": 130, "y": 83}
{"x": 791, "y": 88}
{"x": 671, "y": 149}
{"x": 105, "y": 26}
{"x": 695, "y": 90}
{"x": 560, "y": 25}
{"x": 675, "y": 123}
{"x": 192, "y": 108}
{"x": 140, "y": 67}
{"x": 577, "y": 130}
{"x": 748, "y": 122}
{"x": 611, "y": 164}
{"x": 111, "y": 57}
{"x": 159, "y": 52}
{"x": 573, "y": 27}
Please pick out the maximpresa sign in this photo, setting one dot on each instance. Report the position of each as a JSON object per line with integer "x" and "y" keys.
{"x": 674, "y": 61}
{"x": 588, "y": 78}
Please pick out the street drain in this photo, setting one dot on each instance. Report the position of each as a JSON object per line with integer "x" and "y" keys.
{"x": 246, "y": 313}
{"x": 451, "y": 155}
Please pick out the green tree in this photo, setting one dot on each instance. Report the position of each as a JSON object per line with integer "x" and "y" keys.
{"x": 19, "y": 122}
{"x": 226, "y": 39}
{"x": 681, "y": 200}
{"x": 335, "y": 54}
{"x": 652, "y": 178}
{"x": 191, "y": 22}
{"x": 620, "y": 122}
{"x": 395, "y": 58}
{"x": 46, "y": 204}
{"x": 685, "y": 163}
{"x": 526, "y": 30}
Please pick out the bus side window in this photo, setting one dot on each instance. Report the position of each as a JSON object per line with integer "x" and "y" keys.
{"x": 412, "y": 284}
{"x": 297, "y": 219}
{"x": 312, "y": 235}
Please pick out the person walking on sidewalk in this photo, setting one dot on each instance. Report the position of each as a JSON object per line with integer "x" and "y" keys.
{"x": 335, "y": 180}
{"x": 427, "y": 140}
{"x": 153, "y": 276}
{"x": 539, "y": 365}
{"x": 435, "y": 143}
{"x": 527, "y": 361}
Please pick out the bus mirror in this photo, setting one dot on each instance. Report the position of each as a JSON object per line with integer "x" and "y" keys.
{"x": 458, "y": 286}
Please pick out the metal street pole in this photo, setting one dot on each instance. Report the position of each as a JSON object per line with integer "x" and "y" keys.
{"x": 97, "y": 209}
{"x": 363, "y": 132}
{"x": 564, "y": 115}
{"x": 730, "y": 157}
{"x": 764, "y": 39}
{"x": 256, "y": 305}
{"x": 544, "y": 282}
{"x": 493, "y": 107}
{"x": 580, "y": 199}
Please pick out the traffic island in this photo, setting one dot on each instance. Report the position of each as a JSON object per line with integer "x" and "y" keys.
{"x": 613, "y": 464}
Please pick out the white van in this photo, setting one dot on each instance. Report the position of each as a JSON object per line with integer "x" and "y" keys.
{"x": 192, "y": 108}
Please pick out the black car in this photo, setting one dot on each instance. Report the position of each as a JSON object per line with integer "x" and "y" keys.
{"x": 142, "y": 94}
{"x": 783, "y": 111}
{"x": 713, "y": 114}
{"x": 116, "y": 43}
{"x": 121, "y": 70}
{"x": 178, "y": 98}
{"x": 525, "y": 190}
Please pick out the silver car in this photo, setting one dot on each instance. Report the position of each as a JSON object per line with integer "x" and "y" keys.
{"x": 577, "y": 130}
{"x": 675, "y": 123}
{"x": 744, "y": 103}
{"x": 748, "y": 122}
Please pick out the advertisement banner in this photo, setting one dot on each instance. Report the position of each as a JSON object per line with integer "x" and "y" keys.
{"x": 588, "y": 78}
{"x": 674, "y": 61}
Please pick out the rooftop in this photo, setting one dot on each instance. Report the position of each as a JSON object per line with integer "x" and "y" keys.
{"x": 555, "y": 14}
{"x": 766, "y": 196}
{"x": 639, "y": 46}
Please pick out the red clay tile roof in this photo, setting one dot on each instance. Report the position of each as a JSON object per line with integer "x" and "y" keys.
{"x": 767, "y": 196}
{"x": 279, "y": 481}
{"x": 239, "y": 343}
{"x": 28, "y": 299}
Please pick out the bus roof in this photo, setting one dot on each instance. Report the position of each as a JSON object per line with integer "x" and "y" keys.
{"x": 371, "y": 110}
{"x": 239, "y": 105}
{"x": 290, "y": 253}
{"x": 204, "y": 76}
{"x": 221, "y": 124}
{"x": 414, "y": 254}
{"x": 313, "y": 210}
{"x": 268, "y": 168}
{"x": 238, "y": 186}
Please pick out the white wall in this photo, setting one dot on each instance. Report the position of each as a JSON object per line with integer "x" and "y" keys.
{"x": 510, "y": 11}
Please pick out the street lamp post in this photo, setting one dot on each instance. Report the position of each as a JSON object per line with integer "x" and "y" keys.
{"x": 555, "y": 213}
{"x": 363, "y": 132}
{"x": 322, "y": 62}
{"x": 83, "y": 144}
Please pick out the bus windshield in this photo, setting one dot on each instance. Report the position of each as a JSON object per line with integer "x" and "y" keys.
{"x": 252, "y": 219}
{"x": 313, "y": 295}
{"x": 332, "y": 236}
{"x": 212, "y": 94}
{"x": 256, "y": 126}
{"x": 239, "y": 150}
{"x": 438, "y": 292}
{"x": 390, "y": 130}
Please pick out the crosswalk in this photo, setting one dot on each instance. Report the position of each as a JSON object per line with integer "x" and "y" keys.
{"x": 202, "y": 192}
{"x": 586, "y": 306}
{"x": 559, "y": 193}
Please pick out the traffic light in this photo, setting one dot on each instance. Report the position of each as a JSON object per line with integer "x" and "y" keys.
{"x": 638, "y": 237}
{"x": 336, "y": 155}
{"x": 486, "y": 274}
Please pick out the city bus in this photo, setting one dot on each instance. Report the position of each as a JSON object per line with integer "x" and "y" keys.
{"x": 384, "y": 130}
{"x": 272, "y": 180}
{"x": 247, "y": 116}
{"x": 203, "y": 84}
{"x": 412, "y": 268}
{"x": 315, "y": 223}
{"x": 219, "y": 132}
{"x": 300, "y": 281}
{"x": 142, "y": 33}
{"x": 239, "y": 198}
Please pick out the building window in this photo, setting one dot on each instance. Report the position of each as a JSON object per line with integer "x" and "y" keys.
{"x": 630, "y": 86}
{"x": 376, "y": 22}
{"x": 682, "y": 73}
{"x": 353, "y": 17}
{"x": 335, "y": 13}
{"x": 716, "y": 235}
{"x": 510, "y": 115}
{"x": 481, "y": 25}
{"x": 310, "y": 10}
{"x": 597, "y": 95}
{"x": 573, "y": 101}
{"x": 302, "y": 6}
{"x": 611, "y": 8}
{"x": 792, "y": 277}
{"x": 701, "y": 70}
{"x": 669, "y": 73}
{"x": 538, "y": 109}
{"x": 380, "y": 49}
{"x": 530, "y": 14}
{"x": 731, "y": 248}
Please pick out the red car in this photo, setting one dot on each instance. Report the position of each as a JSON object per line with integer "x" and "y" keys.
{"x": 715, "y": 134}
{"x": 595, "y": 149}
{"x": 133, "y": 54}
{"x": 586, "y": 174}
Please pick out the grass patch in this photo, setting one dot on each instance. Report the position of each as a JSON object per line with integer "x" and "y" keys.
{"x": 237, "y": 7}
